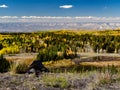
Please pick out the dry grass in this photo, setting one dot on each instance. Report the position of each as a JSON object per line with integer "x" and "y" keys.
{"x": 20, "y": 63}
{"x": 102, "y": 63}
{"x": 55, "y": 80}
{"x": 65, "y": 65}
{"x": 87, "y": 80}
{"x": 59, "y": 81}
{"x": 23, "y": 58}
{"x": 61, "y": 63}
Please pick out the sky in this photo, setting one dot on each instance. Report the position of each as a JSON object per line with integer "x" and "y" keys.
{"x": 97, "y": 8}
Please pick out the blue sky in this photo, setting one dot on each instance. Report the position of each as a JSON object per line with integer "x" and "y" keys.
{"x": 99, "y": 8}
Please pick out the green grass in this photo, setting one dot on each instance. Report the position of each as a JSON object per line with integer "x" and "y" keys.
{"x": 55, "y": 81}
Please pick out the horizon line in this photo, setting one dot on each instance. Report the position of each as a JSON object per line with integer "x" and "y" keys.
{"x": 33, "y": 16}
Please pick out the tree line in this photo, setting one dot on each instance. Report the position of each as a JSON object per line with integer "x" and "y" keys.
{"x": 60, "y": 42}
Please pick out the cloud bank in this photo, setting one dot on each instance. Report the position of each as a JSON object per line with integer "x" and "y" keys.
{"x": 3, "y": 6}
{"x": 8, "y": 17}
{"x": 59, "y": 19}
{"x": 66, "y": 6}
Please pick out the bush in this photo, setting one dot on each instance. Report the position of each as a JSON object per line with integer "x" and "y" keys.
{"x": 19, "y": 68}
{"x": 1, "y": 46}
{"x": 110, "y": 49}
{"x": 52, "y": 54}
{"x": 4, "y": 64}
{"x": 68, "y": 55}
{"x": 9, "y": 50}
{"x": 58, "y": 82}
{"x": 48, "y": 54}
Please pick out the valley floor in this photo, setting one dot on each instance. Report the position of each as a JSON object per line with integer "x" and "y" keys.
{"x": 82, "y": 80}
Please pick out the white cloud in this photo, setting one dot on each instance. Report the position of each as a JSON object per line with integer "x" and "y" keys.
{"x": 66, "y": 6}
{"x": 70, "y": 19}
{"x": 47, "y": 17}
{"x": 60, "y": 18}
{"x": 3, "y": 6}
{"x": 8, "y": 17}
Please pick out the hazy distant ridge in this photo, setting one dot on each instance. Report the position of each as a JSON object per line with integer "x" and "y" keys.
{"x": 36, "y": 23}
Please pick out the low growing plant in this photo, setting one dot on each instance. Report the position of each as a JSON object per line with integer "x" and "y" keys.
{"x": 18, "y": 68}
{"x": 4, "y": 64}
{"x": 59, "y": 82}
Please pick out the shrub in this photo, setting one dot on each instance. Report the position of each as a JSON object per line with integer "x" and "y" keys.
{"x": 4, "y": 64}
{"x": 48, "y": 54}
{"x": 18, "y": 68}
{"x": 21, "y": 68}
{"x": 58, "y": 82}
{"x": 110, "y": 49}
{"x": 1, "y": 46}
{"x": 9, "y": 50}
{"x": 52, "y": 54}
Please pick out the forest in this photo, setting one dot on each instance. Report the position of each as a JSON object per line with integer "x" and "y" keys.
{"x": 61, "y": 41}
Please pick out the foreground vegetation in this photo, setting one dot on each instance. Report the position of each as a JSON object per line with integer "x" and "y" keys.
{"x": 59, "y": 52}
{"x": 93, "y": 80}
{"x": 64, "y": 74}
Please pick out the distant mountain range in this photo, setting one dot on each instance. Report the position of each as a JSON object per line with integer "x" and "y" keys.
{"x": 27, "y": 24}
